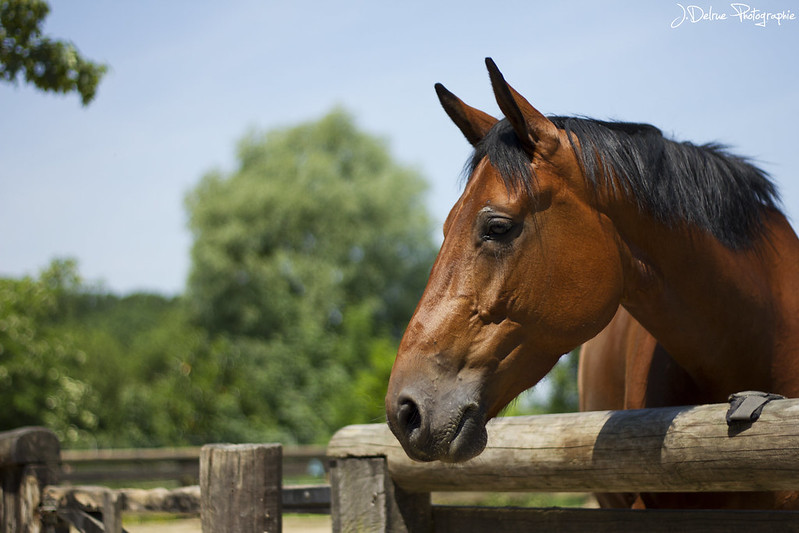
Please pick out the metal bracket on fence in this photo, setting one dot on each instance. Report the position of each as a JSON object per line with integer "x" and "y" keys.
{"x": 745, "y": 407}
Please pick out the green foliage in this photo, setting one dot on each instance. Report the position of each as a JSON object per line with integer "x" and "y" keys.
{"x": 316, "y": 218}
{"x": 50, "y": 65}
{"x": 310, "y": 257}
{"x": 162, "y": 381}
{"x": 39, "y": 368}
{"x": 101, "y": 370}
{"x": 368, "y": 378}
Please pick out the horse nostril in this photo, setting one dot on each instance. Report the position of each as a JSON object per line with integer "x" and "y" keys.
{"x": 408, "y": 416}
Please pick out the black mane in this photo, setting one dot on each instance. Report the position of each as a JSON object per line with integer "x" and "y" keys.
{"x": 674, "y": 181}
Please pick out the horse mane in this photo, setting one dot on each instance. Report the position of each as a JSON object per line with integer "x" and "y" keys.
{"x": 704, "y": 185}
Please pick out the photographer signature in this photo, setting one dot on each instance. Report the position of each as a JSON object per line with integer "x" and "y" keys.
{"x": 740, "y": 11}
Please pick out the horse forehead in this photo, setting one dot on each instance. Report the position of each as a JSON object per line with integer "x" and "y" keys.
{"x": 473, "y": 197}
{"x": 486, "y": 187}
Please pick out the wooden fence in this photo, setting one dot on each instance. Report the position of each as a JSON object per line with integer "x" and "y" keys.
{"x": 375, "y": 487}
{"x": 179, "y": 466}
{"x": 240, "y": 487}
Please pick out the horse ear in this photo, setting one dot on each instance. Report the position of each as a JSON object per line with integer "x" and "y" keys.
{"x": 534, "y": 130}
{"x": 473, "y": 123}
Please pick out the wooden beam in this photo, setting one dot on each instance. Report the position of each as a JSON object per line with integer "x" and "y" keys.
{"x": 28, "y": 445}
{"x": 364, "y": 498}
{"x": 28, "y": 461}
{"x": 191, "y": 453}
{"x": 92, "y": 499}
{"x": 296, "y": 499}
{"x": 87, "y": 467}
{"x": 306, "y": 499}
{"x": 240, "y": 488}
{"x": 654, "y": 450}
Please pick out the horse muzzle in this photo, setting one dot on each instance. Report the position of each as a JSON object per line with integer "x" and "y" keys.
{"x": 434, "y": 421}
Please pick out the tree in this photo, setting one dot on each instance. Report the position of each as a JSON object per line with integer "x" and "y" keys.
{"x": 50, "y": 65}
{"x": 163, "y": 381}
{"x": 40, "y": 368}
{"x": 112, "y": 371}
{"x": 314, "y": 248}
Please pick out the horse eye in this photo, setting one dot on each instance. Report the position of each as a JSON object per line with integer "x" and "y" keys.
{"x": 497, "y": 227}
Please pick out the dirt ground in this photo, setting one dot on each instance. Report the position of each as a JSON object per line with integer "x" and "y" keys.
{"x": 291, "y": 524}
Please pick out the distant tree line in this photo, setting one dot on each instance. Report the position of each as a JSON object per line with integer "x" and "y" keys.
{"x": 307, "y": 263}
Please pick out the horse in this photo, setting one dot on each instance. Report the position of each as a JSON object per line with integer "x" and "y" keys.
{"x": 670, "y": 262}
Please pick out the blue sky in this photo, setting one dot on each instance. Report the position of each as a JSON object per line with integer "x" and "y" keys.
{"x": 105, "y": 184}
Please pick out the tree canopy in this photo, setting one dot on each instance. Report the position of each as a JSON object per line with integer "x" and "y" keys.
{"x": 316, "y": 220}
{"x": 47, "y": 63}
{"x": 310, "y": 257}
{"x": 38, "y": 366}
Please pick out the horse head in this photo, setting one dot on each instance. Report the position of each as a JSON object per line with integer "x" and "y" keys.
{"x": 528, "y": 270}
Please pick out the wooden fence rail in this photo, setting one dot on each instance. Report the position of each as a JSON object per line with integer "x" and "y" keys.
{"x": 305, "y": 499}
{"x": 376, "y": 488}
{"x": 682, "y": 449}
{"x": 181, "y": 465}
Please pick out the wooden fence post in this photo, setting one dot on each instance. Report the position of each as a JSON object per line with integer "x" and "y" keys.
{"x": 112, "y": 511}
{"x": 28, "y": 461}
{"x": 240, "y": 488}
{"x": 364, "y": 498}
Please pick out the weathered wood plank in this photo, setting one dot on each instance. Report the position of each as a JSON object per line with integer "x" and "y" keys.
{"x": 364, "y": 498}
{"x": 240, "y": 488}
{"x": 91, "y": 499}
{"x": 184, "y": 500}
{"x": 33, "y": 478}
{"x": 28, "y": 461}
{"x": 191, "y": 453}
{"x": 306, "y": 499}
{"x": 90, "y": 467}
{"x": 112, "y": 512}
{"x": 81, "y": 521}
{"x": 28, "y": 445}
{"x": 517, "y": 520}
{"x": 653, "y": 450}
{"x": 125, "y": 455}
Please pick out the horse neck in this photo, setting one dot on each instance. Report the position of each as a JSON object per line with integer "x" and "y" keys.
{"x": 729, "y": 317}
